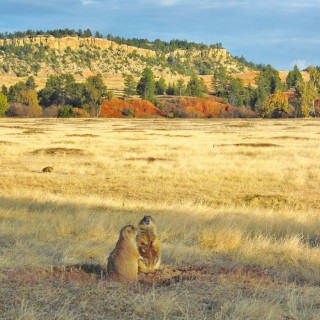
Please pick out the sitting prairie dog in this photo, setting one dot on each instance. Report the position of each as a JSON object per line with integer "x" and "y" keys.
{"x": 47, "y": 169}
{"x": 148, "y": 245}
{"x": 122, "y": 264}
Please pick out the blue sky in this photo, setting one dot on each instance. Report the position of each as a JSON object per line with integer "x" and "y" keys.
{"x": 277, "y": 32}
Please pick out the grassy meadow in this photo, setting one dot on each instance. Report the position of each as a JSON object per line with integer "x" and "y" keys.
{"x": 236, "y": 203}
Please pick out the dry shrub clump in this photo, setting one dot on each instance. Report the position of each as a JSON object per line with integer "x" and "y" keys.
{"x": 60, "y": 151}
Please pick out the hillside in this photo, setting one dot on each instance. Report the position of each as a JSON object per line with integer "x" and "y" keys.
{"x": 41, "y": 56}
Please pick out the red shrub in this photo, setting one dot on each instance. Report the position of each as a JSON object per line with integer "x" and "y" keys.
{"x": 119, "y": 108}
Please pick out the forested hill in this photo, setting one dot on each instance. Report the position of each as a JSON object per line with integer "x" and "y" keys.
{"x": 42, "y": 53}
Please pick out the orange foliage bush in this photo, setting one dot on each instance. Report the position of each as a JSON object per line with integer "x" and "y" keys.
{"x": 208, "y": 108}
{"x": 212, "y": 109}
{"x": 139, "y": 108}
{"x": 188, "y": 107}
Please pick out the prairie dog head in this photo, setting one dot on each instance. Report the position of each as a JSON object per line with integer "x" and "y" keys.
{"x": 128, "y": 232}
{"x": 147, "y": 223}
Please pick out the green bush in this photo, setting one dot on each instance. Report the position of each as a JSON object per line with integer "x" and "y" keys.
{"x": 128, "y": 112}
{"x": 65, "y": 112}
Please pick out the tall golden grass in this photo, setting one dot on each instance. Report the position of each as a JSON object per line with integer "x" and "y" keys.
{"x": 236, "y": 204}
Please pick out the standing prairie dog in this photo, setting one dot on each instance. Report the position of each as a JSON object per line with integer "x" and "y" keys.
{"x": 47, "y": 169}
{"x": 148, "y": 245}
{"x": 122, "y": 264}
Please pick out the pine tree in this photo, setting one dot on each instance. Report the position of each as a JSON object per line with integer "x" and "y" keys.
{"x": 220, "y": 80}
{"x": 161, "y": 86}
{"x": 236, "y": 93}
{"x": 180, "y": 88}
{"x": 146, "y": 85}
{"x": 293, "y": 77}
{"x": 129, "y": 86}
{"x": 196, "y": 87}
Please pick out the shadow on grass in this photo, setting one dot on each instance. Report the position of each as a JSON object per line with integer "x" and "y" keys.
{"x": 251, "y": 224}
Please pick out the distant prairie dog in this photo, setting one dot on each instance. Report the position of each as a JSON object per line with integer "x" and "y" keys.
{"x": 148, "y": 245}
{"x": 122, "y": 264}
{"x": 47, "y": 169}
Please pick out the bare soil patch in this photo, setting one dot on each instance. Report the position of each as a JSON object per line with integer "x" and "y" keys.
{"x": 8, "y": 143}
{"x": 149, "y": 159}
{"x": 291, "y": 138}
{"x": 60, "y": 151}
{"x": 33, "y": 131}
{"x": 163, "y": 277}
{"x": 255, "y": 145}
{"x": 85, "y": 135}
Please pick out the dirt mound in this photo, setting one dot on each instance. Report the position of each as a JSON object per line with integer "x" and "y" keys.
{"x": 60, "y": 151}
{"x": 149, "y": 159}
{"x": 7, "y": 143}
{"x": 164, "y": 277}
{"x": 85, "y": 135}
{"x": 253, "y": 145}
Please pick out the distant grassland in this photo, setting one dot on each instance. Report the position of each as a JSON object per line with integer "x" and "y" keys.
{"x": 236, "y": 203}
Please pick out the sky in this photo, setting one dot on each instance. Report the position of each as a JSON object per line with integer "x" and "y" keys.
{"x": 282, "y": 33}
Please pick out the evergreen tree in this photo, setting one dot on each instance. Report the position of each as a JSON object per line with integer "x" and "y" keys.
{"x": 220, "y": 80}
{"x": 161, "y": 86}
{"x": 30, "y": 83}
{"x": 196, "y": 87}
{"x": 268, "y": 82}
{"x": 95, "y": 90}
{"x": 4, "y": 90}
{"x": 171, "y": 89}
{"x": 146, "y": 85}
{"x": 129, "y": 86}
{"x": 260, "y": 94}
{"x": 269, "y": 79}
{"x": 61, "y": 90}
{"x": 15, "y": 90}
{"x": 236, "y": 92}
{"x": 249, "y": 96}
{"x": 180, "y": 88}
{"x": 293, "y": 77}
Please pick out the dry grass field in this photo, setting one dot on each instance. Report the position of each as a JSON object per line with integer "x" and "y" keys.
{"x": 236, "y": 203}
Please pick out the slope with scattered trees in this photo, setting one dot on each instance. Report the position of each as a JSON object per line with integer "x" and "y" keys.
{"x": 75, "y": 68}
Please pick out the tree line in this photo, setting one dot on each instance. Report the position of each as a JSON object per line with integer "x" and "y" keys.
{"x": 270, "y": 98}
{"x": 57, "y": 33}
{"x": 62, "y": 96}
{"x": 148, "y": 87}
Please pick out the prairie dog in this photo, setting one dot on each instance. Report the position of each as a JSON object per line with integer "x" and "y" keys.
{"x": 148, "y": 245}
{"x": 47, "y": 169}
{"x": 122, "y": 262}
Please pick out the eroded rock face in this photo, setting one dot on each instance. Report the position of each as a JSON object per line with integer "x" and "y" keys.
{"x": 75, "y": 43}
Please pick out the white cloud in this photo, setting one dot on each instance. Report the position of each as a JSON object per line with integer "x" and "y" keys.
{"x": 163, "y": 3}
{"x": 86, "y": 2}
{"x": 168, "y": 3}
{"x": 253, "y": 4}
